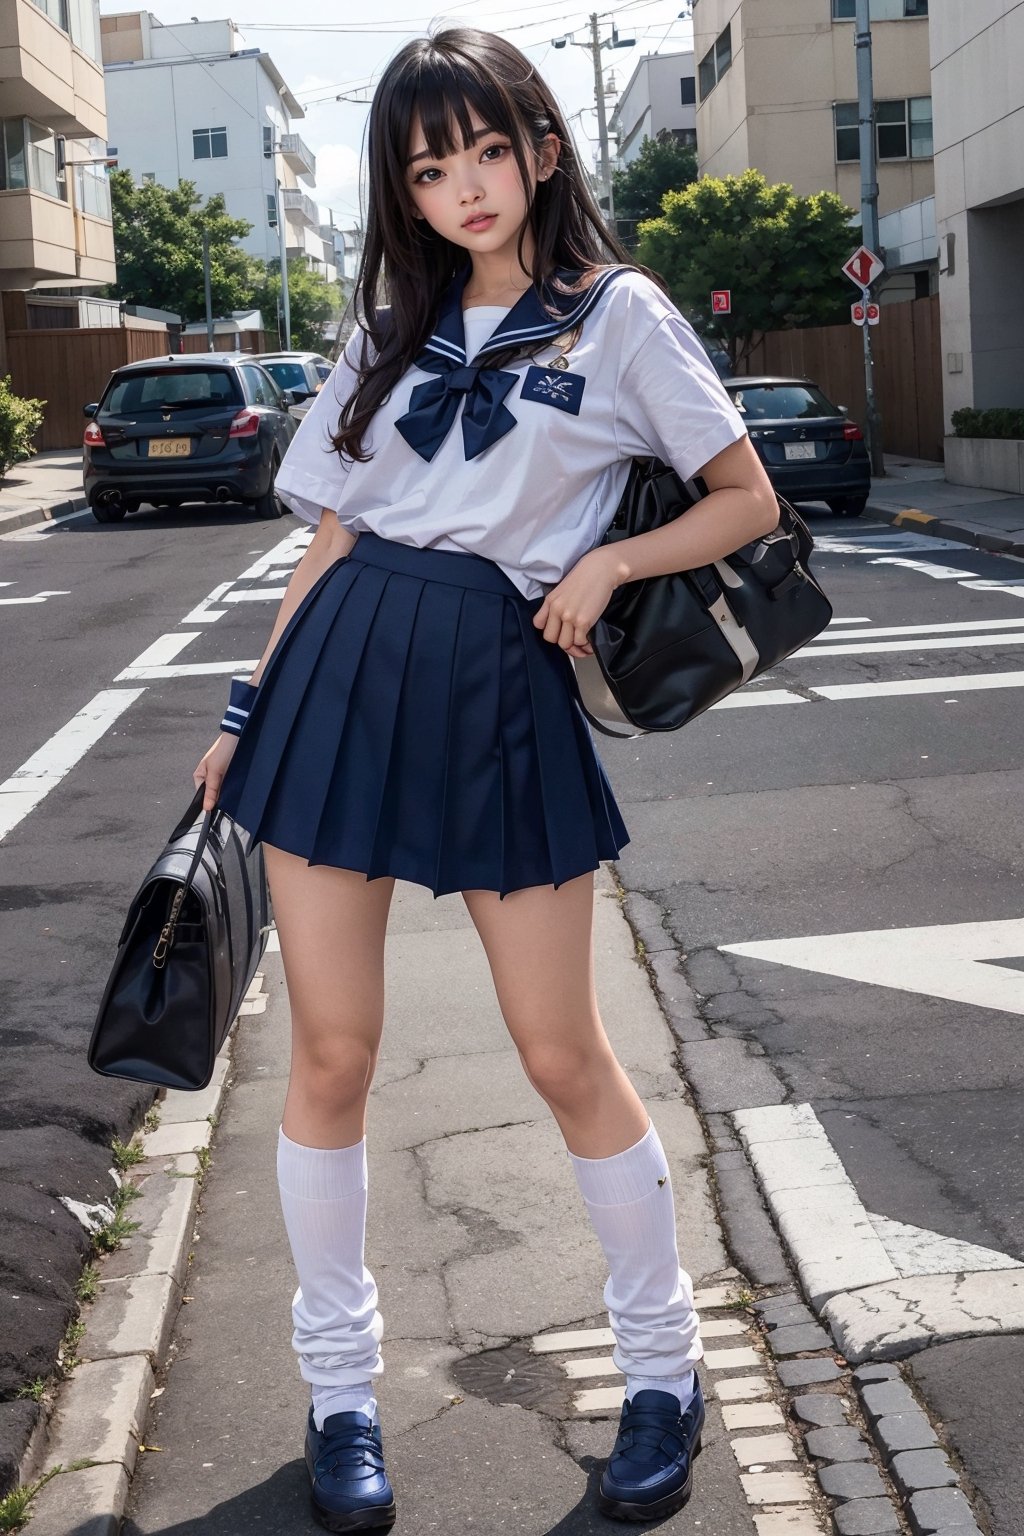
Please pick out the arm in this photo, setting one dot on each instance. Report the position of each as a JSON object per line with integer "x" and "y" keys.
{"x": 740, "y": 506}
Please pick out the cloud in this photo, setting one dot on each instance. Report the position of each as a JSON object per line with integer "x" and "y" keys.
{"x": 337, "y": 179}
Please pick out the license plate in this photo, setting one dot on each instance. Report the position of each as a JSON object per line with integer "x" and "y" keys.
{"x": 170, "y": 447}
{"x": 799, "y": 450}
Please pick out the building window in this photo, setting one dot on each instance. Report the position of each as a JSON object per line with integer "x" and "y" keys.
{"x": 903, "y": 129}
{"x": 844, "y": 10}
{"x": 28, "y": 157}
{"x": 149, "y": 178}
{"x": 272, "y": 209}
{"x": 715, "y": 62}
{"x": 268, "y": 143}
{"x": 209, "y": 143}
{"x": 688, "y": 90}
{"x": 915, "y": 7}
{"x": 847, "y": 121}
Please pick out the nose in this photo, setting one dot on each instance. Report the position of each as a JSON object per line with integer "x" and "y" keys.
{"x": 471, "y": 191}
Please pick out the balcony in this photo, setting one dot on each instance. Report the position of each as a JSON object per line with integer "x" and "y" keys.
{"x": 46, "y": 75}
{"x": 298, "y": 156}
{"x": 300, "y": 208}
{"x": 37, "y": 239}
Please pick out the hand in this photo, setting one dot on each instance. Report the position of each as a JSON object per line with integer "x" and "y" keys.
{"x": 570, "y": 610}
{"x": 212, "y": 768}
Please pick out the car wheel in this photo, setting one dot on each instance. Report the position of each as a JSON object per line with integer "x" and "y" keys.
{"x": 268, "y": 504}
{"x": 108, "y": 513}
{"x": 847, "y": 506}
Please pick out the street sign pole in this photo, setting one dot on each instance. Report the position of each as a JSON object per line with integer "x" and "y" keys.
{"x": 868, "y": 214}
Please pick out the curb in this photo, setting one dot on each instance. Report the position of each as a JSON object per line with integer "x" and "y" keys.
{"x": 99, "y": 1417}
{"x": 937, "y": 527}
{"x": 44, "y": 512}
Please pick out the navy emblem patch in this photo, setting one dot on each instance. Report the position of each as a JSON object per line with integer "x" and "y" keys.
{"x": 551, "y": 387}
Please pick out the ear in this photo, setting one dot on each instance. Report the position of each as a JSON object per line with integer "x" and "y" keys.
{"x": 547, "y": 156}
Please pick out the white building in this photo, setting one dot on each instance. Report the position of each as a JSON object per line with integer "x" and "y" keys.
{"x": 191, "y": 102}
{"x": 660, "y": 96}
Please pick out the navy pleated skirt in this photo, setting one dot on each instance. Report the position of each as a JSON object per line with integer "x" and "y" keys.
{"x": 412, "y": 722}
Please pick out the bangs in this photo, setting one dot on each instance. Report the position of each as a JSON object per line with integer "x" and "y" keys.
{"x": 443, "y": 92}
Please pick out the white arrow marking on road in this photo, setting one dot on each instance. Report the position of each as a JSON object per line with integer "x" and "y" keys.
{"x": 948, "y": 960}
{"x": 40, "y": 597}
{"x": 876, "y": 543}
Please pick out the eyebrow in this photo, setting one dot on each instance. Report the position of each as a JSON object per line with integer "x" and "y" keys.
{"x": 424, "y": 154}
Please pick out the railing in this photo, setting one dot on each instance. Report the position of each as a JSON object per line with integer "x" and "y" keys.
{"x": 299, "y": 203}
{"x": 298, "y": 154}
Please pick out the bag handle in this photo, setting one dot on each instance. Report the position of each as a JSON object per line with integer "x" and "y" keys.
{"x": 166, "y": 939}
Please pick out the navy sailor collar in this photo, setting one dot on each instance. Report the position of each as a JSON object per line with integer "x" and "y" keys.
{"x": 528, "y": 322}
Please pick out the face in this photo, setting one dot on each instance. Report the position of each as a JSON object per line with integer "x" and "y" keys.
{"x": 475, "y": 198}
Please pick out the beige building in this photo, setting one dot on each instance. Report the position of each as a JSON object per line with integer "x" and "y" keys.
{"x": 777, "y": 90}
{"x": 55, "y": 228}
{"x": 978, "y": 84}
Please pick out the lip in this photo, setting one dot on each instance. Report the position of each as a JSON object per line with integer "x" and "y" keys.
{"x": 479, "y": 221}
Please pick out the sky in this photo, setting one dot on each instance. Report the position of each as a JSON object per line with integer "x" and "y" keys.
{"x": 319, "y": 64}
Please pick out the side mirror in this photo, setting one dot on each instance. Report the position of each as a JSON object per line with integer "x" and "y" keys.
{"x": 844, "y": 410}
{"x": 290, "y": 397}
{"x": 90, "y": 410}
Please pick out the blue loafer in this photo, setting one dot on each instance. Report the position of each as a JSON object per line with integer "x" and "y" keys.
{"x": 345, "y": 1460}
{"x": 650, "y": 1471}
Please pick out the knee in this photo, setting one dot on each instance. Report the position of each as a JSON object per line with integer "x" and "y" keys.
{"x": 566, "y": 1075}
{"x": 333, "y": 1076}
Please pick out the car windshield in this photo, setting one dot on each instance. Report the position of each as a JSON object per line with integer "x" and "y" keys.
{"x": 287, "y": 375}
{"x": 781, "y": 402}
{"x": 171, "y": 388}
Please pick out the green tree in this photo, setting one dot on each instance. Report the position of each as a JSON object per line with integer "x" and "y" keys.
{"x": 663, "y": 165}
{"x": 313, "y": 303}
{"x": 779, "y": 254}
{"x": 158, "y": 241}
{"x": 20, "y": 420}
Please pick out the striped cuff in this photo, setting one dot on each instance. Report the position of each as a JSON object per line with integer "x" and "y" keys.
{"x": 240, "y": 703}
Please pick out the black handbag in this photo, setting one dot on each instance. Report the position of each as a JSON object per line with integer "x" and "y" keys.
{"x": 194, "y": 935}
{"x": 668, "y": 647}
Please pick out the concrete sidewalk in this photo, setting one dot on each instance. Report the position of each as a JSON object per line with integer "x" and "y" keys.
{"x": 41, "y": 489}
{"x": 915, "y": 494}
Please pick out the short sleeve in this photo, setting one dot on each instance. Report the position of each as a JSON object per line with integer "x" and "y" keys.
{"x": 312, "y": 473}
{"x": 672, "y": 404}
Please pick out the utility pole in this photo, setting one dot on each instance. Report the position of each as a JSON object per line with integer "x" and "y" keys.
{"x": 282, "y": 245}
{"x": 868, "y": 213}
{"x": 602, "y": 115}
{"x": 207, "y": 290}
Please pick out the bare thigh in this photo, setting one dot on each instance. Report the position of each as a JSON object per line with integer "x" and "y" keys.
{"x": 332, "y": 925}
{"x": 540, "y": 948}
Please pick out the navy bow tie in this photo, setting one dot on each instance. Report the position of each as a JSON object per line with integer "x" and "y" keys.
{"x": 434, "y": 406}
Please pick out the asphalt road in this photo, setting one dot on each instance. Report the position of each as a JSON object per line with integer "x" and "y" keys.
{"x": 884, "y": 809}
{"x": 817, "y": 816}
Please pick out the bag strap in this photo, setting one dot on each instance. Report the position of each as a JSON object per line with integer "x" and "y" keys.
{"x": 166, "y": 939}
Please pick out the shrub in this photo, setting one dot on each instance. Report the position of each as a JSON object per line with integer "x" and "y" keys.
{"x": 1002, "y": 421}
{"x": 20, "y": 420}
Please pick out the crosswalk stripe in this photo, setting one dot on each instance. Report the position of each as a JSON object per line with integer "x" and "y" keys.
{"x": 602, "y": 1365}
{"x": 960, "y": 627}
{"x": 577, "y": 1338}
{"x": 599, "y": 1399}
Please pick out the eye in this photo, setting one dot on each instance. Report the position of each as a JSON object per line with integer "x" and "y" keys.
{"x": 496, "y": 150}
{"x": 421, "y": 176}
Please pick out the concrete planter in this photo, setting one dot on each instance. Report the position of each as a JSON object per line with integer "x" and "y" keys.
{"x": 997, "y": 463}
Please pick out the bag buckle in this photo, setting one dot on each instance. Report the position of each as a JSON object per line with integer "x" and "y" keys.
{"x": 166, "y": 938}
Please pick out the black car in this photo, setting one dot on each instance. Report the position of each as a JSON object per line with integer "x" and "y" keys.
{"x": 810, "y": 447}
{"x": 301, "y": 372}
{"x": 193, "y": 428}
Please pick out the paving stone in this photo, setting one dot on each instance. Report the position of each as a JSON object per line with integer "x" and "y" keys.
{"x": 752, "y": 1415}
{"x": 866, "y": 1517}
{"x": 802, "y": 1373}
{"x": 783, "y": 1299}
{"x": 851, "y": 1480}
{"x": 740, "y": 1389}
{"x": 88, "y": 1503}
{"x": 822, "y": 1409}
{"x": 846, "y": 1444}
{"x": 788, "y": 1316}
{"x": 904, "y": 1432}
{"x": 885, "y": 1397}
{"x": 868, "y": 1373}
{"x": 914, "y": 1470}
{"x": 939, "y": 1510}
{"x": 101, "y": 1412}
{"x": 766, "y": 1450}
{"x": 787, "y": 1522}
{"x": 777, "y": 1487}
{"x": 800, "y": 1340}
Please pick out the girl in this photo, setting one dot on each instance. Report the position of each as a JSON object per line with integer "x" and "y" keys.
{"x": 413, "y": 716}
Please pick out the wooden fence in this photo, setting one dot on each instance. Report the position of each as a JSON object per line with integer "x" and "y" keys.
{"x": 68, "y": 369}
{"x": 908, "y": 371}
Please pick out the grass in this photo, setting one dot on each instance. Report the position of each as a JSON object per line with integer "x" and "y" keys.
{"x": 14, "y": 1507}
{"x": 73, "y": 1336}
{"x": 126, "y": 1154}
{"x": 742, "y": 1300}
{"x": 36, "y": 1390}
{"x": 108, "y": 1238}
{"x": 88, "y": 1287}
{"x": 204, "y": 1157}
{"x": 152, "y": 1119}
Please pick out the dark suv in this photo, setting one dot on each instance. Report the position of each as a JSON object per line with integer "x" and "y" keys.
{"x": 191, "y": 428}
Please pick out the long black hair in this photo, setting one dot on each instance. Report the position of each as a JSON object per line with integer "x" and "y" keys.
{"x": 441, "y": 79}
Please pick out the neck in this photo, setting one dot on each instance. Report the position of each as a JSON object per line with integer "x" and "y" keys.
{"x": 498, "y": 275}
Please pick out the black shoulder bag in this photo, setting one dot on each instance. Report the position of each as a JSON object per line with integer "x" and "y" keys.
{"x": 669, "y": 647}
{"x": 194, "y": 935}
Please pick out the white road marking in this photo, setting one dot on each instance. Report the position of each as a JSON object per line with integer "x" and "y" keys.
{"x": 43, "y": 771}
{"x": 600, "y": 1365}
{"x": 206, "y": 612}
{"x": 39, "y": 597}
{"x": 749, "y": 698}
{"x": 880, "y": 647}
{"x": 908, "y": 685}
{"x": 193, "y": 669}
{"x": 753, "y": 1450}
{"x": 874, "y": 543}
{"x": 946, "y": 960}
{"x": 927, "y": 567}
{"x": 288, "y": 552}
{"x": 961, "y": 626}
{"x": 742, "y": 1389}
{"x": 165, "y": 649}
{"x": 264, "y": 594}
{"x": 838, "y": 623}
{"x": 577, "y": 1338}
{"x": 916, "y": 1251}
{"x": 599, "y": 1399}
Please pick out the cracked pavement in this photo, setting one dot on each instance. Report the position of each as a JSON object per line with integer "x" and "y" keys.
{"x": 478, "y": 1240}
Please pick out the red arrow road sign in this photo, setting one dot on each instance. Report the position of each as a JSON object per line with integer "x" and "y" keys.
{"x": 863, "y": 267}
{"x": 721, "y": 301}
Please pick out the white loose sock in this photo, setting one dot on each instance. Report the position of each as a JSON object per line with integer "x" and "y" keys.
{"x": 648, "y": 1296}
{"x": 337, "y": 1326}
